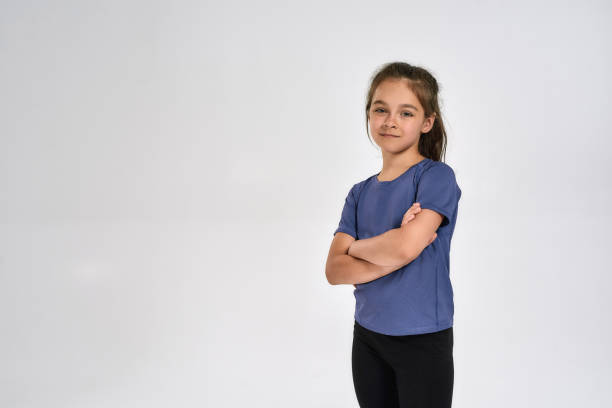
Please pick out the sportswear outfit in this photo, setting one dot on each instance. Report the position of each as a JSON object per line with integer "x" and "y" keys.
{"x": 403, "y": 335}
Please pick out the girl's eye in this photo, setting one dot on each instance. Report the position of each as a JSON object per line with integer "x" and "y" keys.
{"x": 382, "y": 110}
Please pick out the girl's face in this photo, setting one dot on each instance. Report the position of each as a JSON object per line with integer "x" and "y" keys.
{"x": 396, "y": 117}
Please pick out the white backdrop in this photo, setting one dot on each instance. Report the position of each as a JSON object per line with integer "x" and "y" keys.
{"x": 172, "y": 174}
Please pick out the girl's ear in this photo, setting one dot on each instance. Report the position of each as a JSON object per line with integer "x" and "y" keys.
{"x": 429, "y": 122}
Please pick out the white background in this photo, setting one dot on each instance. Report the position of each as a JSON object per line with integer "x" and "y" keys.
{"x": 172, "y": 173}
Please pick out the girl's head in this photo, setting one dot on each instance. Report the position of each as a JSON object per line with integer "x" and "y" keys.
{"x": 403, "y": 102}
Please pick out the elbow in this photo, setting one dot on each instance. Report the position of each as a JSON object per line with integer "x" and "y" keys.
{"x": 330, "y": 276}
{"x": 411, "y": 248}
{"x": 408, "y": 256}
{"x": 412, "y": 253}
{"x": 331, "y": 281}
{"x": 408, "y": 253}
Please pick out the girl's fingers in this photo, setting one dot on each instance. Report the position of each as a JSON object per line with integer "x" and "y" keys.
{"x": 406, "y": 220}
{"x": 411, "y": 212}
{"x": 414, "y": 209}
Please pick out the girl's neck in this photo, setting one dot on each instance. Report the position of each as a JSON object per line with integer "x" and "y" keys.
{"x": 396, "y": 166}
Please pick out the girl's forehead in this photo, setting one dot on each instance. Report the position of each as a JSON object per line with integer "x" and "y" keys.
{"x": 394, "y": 89}
{"x": 394, "y": 93}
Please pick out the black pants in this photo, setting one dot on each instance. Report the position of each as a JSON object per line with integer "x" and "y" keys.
{"x": 412, "y": 371}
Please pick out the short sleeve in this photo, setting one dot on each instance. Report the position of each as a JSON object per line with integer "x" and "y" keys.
{"x": 437, "y": 190}
{"x": 348, "y": 219}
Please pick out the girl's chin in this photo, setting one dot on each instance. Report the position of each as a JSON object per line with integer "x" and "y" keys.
{"x": 394, "y": 148}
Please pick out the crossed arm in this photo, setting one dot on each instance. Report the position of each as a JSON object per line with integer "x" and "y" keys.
{"x": 359, "y": 261}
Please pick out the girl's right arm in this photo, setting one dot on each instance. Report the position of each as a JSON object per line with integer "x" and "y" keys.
{"x": 342, "y": 268}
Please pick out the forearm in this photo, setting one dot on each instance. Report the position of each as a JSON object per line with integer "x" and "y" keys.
{"x": 383, "y": 249}
{"x": 346, "y": 269}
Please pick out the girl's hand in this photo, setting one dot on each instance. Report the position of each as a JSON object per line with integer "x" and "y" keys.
{"x": 411, "y": 213}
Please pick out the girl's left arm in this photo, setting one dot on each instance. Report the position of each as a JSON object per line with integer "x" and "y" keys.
{"x": 385, "y": 249}
{"x": 399, "y": 246}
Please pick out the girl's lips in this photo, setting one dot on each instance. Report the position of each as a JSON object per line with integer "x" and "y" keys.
{"x": 388, "y": 135}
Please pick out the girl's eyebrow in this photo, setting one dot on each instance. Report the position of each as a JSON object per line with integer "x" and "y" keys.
{"x": 404, "y": 105}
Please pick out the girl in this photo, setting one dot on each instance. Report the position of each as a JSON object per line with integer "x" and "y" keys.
{"x": 393, "y": 244}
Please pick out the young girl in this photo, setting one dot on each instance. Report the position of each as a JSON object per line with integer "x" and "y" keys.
{"x": 393, "y": 244}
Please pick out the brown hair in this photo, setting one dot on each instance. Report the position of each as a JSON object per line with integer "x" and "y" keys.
{"x": 433, "y": 143}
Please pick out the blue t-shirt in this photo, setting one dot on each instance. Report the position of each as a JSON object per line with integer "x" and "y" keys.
{"x": 417, "y": 298}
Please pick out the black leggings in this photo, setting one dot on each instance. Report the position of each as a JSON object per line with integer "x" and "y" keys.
{"x": 412, "y": 371}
